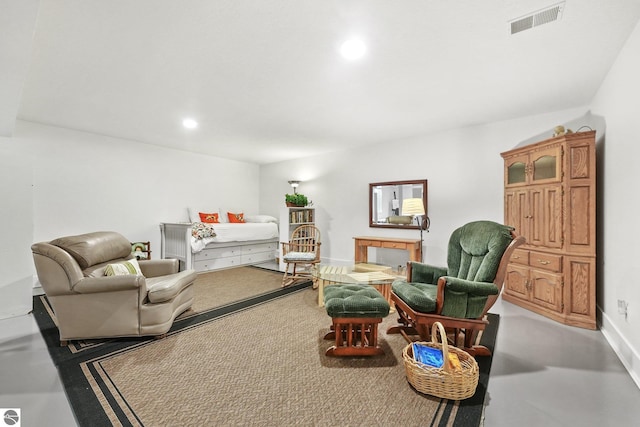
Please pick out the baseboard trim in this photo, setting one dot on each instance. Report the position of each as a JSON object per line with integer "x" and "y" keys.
{"x": 623, "y": 349}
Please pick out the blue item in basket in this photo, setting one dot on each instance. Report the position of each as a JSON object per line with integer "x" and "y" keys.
{"x": 428, "y": 355}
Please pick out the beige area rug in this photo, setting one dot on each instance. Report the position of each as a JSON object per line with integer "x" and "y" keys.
{"x": 266, "y": 366}
{"x": 218, "y": 288}
{"x": 260, "y": 363}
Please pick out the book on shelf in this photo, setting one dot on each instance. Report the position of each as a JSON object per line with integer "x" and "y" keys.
{"x": 301, "y": 216}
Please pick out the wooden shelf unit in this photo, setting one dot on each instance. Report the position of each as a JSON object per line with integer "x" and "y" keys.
{"x": 290, "y": 219}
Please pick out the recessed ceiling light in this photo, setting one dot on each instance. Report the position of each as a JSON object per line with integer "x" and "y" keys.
{"x": 353, "y": 49}
{"x": 189, "y": 123}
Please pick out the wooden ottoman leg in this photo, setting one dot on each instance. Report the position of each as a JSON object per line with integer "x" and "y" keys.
{"x": 355, "y": 337}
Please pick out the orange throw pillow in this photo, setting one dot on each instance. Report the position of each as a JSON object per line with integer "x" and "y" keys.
{"x": 235, "y": 217}
{"x": 211, "y": 218}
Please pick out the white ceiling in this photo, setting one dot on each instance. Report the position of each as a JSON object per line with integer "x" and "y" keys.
{"x": 266, "y": 83}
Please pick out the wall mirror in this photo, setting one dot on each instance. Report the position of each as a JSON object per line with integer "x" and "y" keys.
{"x": 386, "y": 199}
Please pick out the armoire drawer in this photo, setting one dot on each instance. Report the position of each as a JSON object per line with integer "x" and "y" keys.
{"x": 520, "y": 256}
{"x": 549, "y": 262}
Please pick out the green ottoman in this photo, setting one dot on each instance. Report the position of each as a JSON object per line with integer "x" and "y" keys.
{"x": 356, "y": 311}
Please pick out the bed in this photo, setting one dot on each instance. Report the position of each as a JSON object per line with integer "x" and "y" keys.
{"x": 207, "y": 247}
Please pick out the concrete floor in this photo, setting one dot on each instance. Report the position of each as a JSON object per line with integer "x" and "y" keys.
{"x": 543, "y": 374}
{"x": 548, "y": 374}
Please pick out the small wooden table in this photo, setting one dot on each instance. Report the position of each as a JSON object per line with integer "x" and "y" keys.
{"x": 363, "y": 243}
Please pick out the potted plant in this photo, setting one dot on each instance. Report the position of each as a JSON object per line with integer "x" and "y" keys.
{"x": 298, "y": 200}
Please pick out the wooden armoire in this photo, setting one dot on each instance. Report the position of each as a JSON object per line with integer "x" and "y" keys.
{"x": 550, "y": 198}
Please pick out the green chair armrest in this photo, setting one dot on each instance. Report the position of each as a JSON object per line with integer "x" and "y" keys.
{"x": 425, "y": 273}
{"x": 455, "y": 284}
{"x": 465, "y": 298}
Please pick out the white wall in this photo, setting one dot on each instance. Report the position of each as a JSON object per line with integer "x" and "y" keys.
{"x": 17, "y": 26}
{"x": 16, "y": 215}
{"x": 85, "y": 182}
{"x": 463, "y": 168}
{"x": 618, "y": 100}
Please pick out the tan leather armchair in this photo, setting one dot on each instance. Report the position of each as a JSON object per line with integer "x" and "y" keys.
{"x": 89, "y": 304}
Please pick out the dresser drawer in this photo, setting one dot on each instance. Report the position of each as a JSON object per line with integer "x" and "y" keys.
{"x": 520, "y": 256}
{"x": 218, "y": 253}
{"x": 258, "y": 248}
{"x": 394, "y": 245}
{"x": 217, "y": 263}
{"x": 257, "y": 257}
{"x": 371, "y": 243}
{"x": 545, "y": 261}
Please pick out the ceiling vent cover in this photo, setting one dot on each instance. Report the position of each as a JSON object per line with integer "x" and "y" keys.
{"x": 535, "y": 19}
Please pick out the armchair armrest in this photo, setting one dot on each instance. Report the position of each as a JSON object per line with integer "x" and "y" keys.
{"x": 462, "y": 298}
{"x": 424, "y": 273}
{"x": 461, "y": 285}
{"x": 159, "y": 267}
{"x": 90, "y": 285}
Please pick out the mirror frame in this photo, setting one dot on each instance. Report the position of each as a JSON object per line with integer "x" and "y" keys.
{"x": 423, "y": 182}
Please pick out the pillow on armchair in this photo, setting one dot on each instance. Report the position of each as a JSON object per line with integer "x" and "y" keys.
{"x": 123, "y": 268}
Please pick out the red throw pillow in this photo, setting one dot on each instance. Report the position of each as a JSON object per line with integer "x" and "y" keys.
{"x": 209, "y": 217}
{"x": 235, "y": 217}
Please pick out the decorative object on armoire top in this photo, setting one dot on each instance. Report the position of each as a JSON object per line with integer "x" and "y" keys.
{"x": 560, "y": 130}
{"x": 550, "y": 199}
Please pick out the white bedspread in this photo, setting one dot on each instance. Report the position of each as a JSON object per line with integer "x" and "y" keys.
{"x": 234, "y": 232}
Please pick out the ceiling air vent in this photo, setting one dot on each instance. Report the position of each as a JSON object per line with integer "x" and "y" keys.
{"x": 535, "y": 19}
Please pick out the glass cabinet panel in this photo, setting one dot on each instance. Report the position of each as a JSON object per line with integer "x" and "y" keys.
{"x": 544, "y": 168}
{"x": 516, "y": 173}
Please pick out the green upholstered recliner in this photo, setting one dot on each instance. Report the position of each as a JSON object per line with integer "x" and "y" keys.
{"x": 460, "y": 295}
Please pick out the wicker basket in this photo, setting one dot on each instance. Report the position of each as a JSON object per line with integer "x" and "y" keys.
{"x": 444, "y": 382}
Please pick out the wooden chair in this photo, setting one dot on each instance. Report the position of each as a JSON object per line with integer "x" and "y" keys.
{"x": 460, "y": 295}
{"x": 302, "y": 253}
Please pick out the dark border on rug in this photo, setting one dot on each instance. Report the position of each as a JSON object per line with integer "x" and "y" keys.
{"x": 474, "y": 406}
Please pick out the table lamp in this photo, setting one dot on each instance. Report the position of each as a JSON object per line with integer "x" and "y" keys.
{"x": 415, "y": 208}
